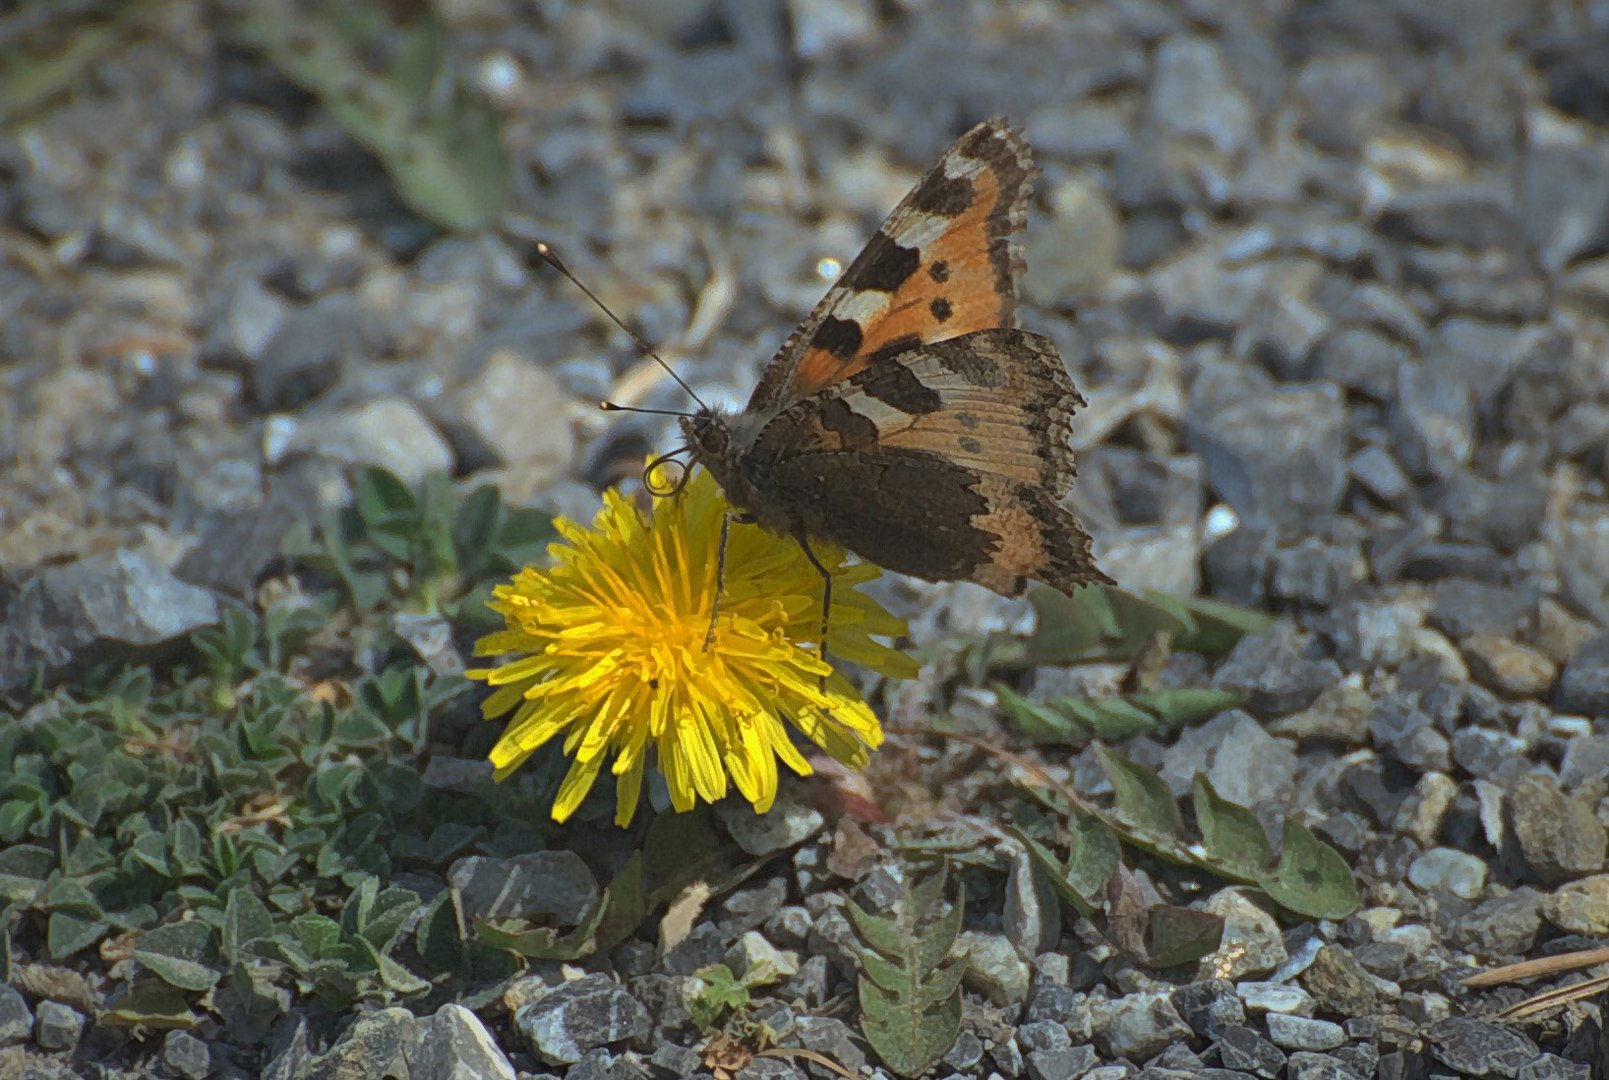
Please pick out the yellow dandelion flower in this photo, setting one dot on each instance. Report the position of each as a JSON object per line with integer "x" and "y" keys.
{"x": 607, "y": 646}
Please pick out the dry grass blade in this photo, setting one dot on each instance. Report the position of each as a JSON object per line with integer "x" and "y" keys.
{"x": 1549, "y": 1000}
{"x": 1530, "y": 969}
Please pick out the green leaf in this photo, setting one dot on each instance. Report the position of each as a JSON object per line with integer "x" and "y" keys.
{"x": 1040, "y": 722}
{"x": 149, "y": 1003}
{"x": 23, "y": 871}
{"x": 181, "y": 954}
{"x": 910, "y": 986}
{"x": 66, "y": 934}
{"x": 390, "y": 910}
{"x": 1231, "y": 833}
{"x": 1312, "y": 878}
{"x": 1143, "y": 798}
{"x": 438, "y": 939}
{"x": 1103, "y": 622}
{"x": 440, "y": 144}
{"x": 246, "y": 921}
{"x": 546, "y": 943}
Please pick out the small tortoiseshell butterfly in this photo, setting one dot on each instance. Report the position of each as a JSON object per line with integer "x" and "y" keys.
{"x": 909, "y": 419}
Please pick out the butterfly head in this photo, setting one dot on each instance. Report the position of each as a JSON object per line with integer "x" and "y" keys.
{"x": 718, "y": 440}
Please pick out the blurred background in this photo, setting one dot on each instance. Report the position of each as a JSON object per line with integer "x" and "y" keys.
{"x": 1335, "y": 268}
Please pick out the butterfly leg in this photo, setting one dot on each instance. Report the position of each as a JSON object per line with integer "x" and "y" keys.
{"x": 826, "y": 594}
{"x": 720, "y": 571}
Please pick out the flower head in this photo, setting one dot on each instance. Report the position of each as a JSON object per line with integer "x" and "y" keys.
{"x": 608, "y": 646}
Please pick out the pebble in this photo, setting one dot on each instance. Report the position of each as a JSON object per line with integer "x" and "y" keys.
{"x": 1303, "y": 1033}
{"x": 1559, "y": 834}
{"x": 1508, "y": 667}
{"x": 1580, "y": 907}
{"x": 1449, "y": 870}
{"x": 1584, "y": 685}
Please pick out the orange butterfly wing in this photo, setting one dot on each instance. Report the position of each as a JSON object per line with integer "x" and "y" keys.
{"x": 941, "y": 265}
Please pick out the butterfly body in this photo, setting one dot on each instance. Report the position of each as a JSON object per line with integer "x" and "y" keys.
{"x": 908, "y": 419}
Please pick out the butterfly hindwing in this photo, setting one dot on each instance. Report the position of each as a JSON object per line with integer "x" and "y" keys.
{"x": 942, "y": 265}
{"x": 946, "y": 462}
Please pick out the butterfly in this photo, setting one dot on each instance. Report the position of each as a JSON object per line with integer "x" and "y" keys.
{"x": 909, "y": 419}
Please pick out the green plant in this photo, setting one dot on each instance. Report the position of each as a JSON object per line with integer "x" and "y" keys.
{"x": 910, "y": 983}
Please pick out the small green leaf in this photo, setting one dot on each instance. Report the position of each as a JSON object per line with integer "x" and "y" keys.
{"x": 390, "y": 910}
{"x": 66, "y": 934}
{"x": 910, "y": 986}
{"x": 438, "y": 938}
{"x": 546, "y": 943}
{"x": 1143, "y": 798}
{"x": 246, "y": 921}
{"x": 1231, "y": 833}
{"x": 1312, "y": 878}
{"x": 182, "y": 954}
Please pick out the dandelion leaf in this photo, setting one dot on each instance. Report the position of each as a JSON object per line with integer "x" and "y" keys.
{"x": 910, "y": 985}
{"x": 1106, "y": 623}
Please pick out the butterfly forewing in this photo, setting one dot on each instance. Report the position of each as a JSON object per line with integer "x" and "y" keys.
{"x": 942, "y": 265}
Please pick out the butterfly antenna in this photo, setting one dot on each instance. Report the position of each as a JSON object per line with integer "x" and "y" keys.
{"x": 652, "y": 469}
{"x": 548, "y": 256}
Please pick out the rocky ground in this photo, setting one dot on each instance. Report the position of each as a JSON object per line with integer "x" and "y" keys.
{"x": 1333, "y": 276}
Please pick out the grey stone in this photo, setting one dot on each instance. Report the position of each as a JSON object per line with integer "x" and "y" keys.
{"x": 790, "y": 822}
{"x": 1361, "y": 359}
{"x": 16, "y": 1019}
{"x": 1033, "y": 911}
{"x": 1558, "y": 833}
{"x": 1246, "y": 765}
{"x": 1192, "y": 94}
{"x": 1304, "y": 1033}
{"x": 1471, "y": 215}
{"x": 821, "y": 27}
{"x": 1315, "y": 572}
{"x": 1270, "y": 997}
{"x": 590, "y": 1012}
{"x": 186, "y": 1056}
{"x": 1305, "y": 1065}
{"x": 556, "y": 884}
{"x": 489, "y": 421}
{"x": 1137, "y": 1026}
{"x": 1477, "y": 1048}
{"x": 1066, "y": 1063}
{"x": 1243, "y": 1049}
{"x": 454, "y": 1042}
{"x": 1586, "y": 763}
{"x": 1209, "y": 1006}
{"x": 57, "y": 1026}
{"x": 1275, "y": 672}
{"x": 1444, "y": 870}
{"x": 1339, "y": 984}
{"x": 789, "y": 926}
{"x": 966, "y": 1053}
{"x": 1251, "y": 943}
{"x": 811, "y": 986}
{"x": 1401, "y": 725}
{"x": 389, "y": 432}
{"x": 1007, "y": 1057}
{"x": 1564, "y": 212}
{"x": 672, "y": 1062}
{"x": 1461, "y": 607}
{"x": 1507, "y": 667}
{"x": 995, "y": 968}
{"x": 1584, "y": 684}
{"x": 1278, "y": 457}
{"x": 1378, "y": 473}
{"x": 1504, "y": 513}
{"x": 1043, "y": 1035}
{"x": 834, "y": 1038}
{"x": 1553, "y": 1067}
{"x": 1433, "y": 423}
{"x": 310, "y": 347}
{"x": 76, "y": 612}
